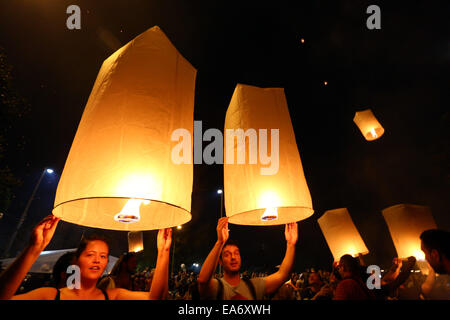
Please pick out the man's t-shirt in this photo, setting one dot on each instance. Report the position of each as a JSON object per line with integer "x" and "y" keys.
{"x": 239, "y": 292}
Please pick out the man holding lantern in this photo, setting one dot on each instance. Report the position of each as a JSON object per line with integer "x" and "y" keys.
{"x": 231, "y": 286}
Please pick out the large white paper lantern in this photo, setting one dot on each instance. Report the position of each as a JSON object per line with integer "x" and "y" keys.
{"x": 119, "y": 173}
{"x": 406, "y": 222}
{"x": 341, "y": 234}
{"x": 259, "y": 191}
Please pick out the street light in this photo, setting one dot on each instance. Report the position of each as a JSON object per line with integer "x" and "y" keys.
{"x": 221, "y": 201}
{"x": 220, "y": 191}
{"x": 24, "y": 213}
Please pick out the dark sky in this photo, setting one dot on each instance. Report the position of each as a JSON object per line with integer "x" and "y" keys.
{"x": 400, "y": 72}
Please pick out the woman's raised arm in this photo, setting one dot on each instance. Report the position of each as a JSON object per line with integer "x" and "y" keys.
{"x": 12, "y": 277}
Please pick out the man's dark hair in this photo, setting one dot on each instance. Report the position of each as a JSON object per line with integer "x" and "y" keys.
{"x": 438, "y": 240}
{"x": 351, "y": 264}
{"x": 85, "y": 241}
{"x": 229, "y": 242}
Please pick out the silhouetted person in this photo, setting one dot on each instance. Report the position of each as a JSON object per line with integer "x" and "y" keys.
{"x": 121, "y": 273}
{"x": 436, "y": 247}
{"x": 351, "y": 287}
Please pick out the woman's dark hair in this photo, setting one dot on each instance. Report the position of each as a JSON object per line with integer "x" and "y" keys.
{"x": 85, "y": 241}
{"x": 61, "y": 266}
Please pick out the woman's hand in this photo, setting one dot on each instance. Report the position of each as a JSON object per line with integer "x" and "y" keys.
{"x": 43, "y": 233}
{"x": 164, "y": 239}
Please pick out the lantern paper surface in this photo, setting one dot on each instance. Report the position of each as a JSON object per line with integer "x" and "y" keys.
{"x": 135, "y": 241}
{"x": 406, "y": 222}
{"x": 281, "y": 193}
{"x": 120, "y": 159}
{"x": 341, "y": 234}
{"x": 369, "y": 126}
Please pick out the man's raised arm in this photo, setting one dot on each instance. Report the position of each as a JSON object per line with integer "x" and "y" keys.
{"x": 275, "y": 280}
{"x": 204, "y": 280}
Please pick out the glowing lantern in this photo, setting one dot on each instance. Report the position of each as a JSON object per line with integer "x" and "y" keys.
{"x": 369, "y": 126}
{"x": 262, "y": 189}
{"x": 119, "y": 173}
{"x": 135, "y": 241}
{"x": 341, "y": 234}
{"x": 406, "y": 222}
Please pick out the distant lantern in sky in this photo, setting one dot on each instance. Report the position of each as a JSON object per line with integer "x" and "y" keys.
{"x": 369, "y": 126}
{"x": 406, "y": 222}
{"x": 341, "y": 234}
{"x": 119, "y": 173}
{"x": 264, "y": 183}
{"x": 135, "y": 241}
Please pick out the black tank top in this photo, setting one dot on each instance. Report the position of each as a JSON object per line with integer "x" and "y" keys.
{"x": 58, "y": 294}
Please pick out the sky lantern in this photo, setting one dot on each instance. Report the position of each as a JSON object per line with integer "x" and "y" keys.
{"x": 406, "y": 222}
{"x": 341, "y": 234}
{"x": 135, "y": 241}
{"x": 264, "y": 181}
{"x": 369, "y": 126}
{"x": 119, "y": 173}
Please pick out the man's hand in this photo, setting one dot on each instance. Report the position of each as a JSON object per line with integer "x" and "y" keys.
{"x": 43, "y": 233}
{"x": 291, "y": 233}
{"x": 222, "y": 230}
{"x": 397, "y": 263}
{"x": 164, "y": 239}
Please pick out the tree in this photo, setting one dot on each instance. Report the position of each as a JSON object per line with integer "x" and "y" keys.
{"x": 13, "y": 107}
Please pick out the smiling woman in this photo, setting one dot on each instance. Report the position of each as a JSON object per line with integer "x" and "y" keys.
{"x": 91, "y": 260}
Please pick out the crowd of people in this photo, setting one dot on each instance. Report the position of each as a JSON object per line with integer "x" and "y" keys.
{"x": 347, "y": 279}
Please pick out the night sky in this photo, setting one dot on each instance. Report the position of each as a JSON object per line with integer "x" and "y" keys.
{"x": 400, "y": 72}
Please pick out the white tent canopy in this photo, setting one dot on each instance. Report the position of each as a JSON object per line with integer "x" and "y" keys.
{"x": 47, "y": 259}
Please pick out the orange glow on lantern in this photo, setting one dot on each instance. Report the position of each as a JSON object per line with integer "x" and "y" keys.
{"x": 254, "y": 196}
{"x": 135, "y": 241}
{"x": 406, "y": 222}
{"x": 341, "y": 234}
{"x": 369, "y": 126}
{"x": 130, "y": 212}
